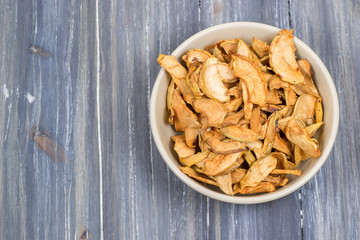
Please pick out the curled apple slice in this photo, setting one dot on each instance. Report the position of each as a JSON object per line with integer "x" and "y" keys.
{"x": 282, "y": 57}
{"x": 172, "y": 66}
{"x": 225, "y": 183}
{"x": 239, "y": 134}
{"x": 181, "y": 148}
{"x": 237, "y": 175}
{"x": 211, "y": 79}
{"x": 260, "y": 48}
{"x": 297, "y": 134}
{"x": 226, "y": 146}
{"x": 307, "y": 87}
{"x": 221, "y": 163}
{"x": 183, "y": 116}
{"x": 169, "y": 97}
{"x": 258, "y": 171}
{"x": 198, "y": 176}
{"x": 195, "y": 55}
{"x": 305, "y": 108}
{"x": 246, "y": 70}
{"x": 260, "y": 188}
{"x": 212, "y": 109}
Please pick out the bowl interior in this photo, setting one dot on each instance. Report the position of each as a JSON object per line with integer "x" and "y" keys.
{"x": 162, "y": 130}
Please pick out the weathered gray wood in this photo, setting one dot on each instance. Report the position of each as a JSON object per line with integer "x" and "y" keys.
{"x": 331, "y": 200}
{"x": 92, "y": 96}
{"x": 41, "y": 198}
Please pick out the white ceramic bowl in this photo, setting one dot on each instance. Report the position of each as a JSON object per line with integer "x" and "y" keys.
{"x": 162, "y": 130}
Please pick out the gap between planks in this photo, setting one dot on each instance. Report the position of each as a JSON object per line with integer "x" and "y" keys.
{"x": 97, "y": 43}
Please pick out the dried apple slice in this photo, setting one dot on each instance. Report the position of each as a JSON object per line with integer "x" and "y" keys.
{"x": 249, "y": 157}
{"x": 270, "y": 133}
{"x": 226, "y": 73}
{"x": 313, "y": 128}
{"x": 283, "y": 122}
{"x": 211, "y": 48}
{"x": 213, "y": 133}
{"x": 218, "y": 54}
{"x": 267, "y": 76}
{"x": 260, "y": 48}
{"x": 225, "y": 183}
{"x": 258, "y": 171}
{"x": 319, "y": 110}
{"x": 202, "y": 143}
{"x": 181, "y": 148}
{"x": 201, "y": 164}
{"x": 192, "y": 79}
{"x": 246, "y": 51}
{"x": 281, "y": 145}
{"x": 184, "y": 117}
{"x": 262, "y": 187}
{"x": 307, "y": 87}
{"x": 283, "y": 181}
{"x": 263, "y": 130}
{"x": 243, "y": 49}
{"x": 232, "y": 118}
{"x": 184, "y": 89}
{"x": 237, "y": 175}
{"x": 282, "y": 161}
{"x": 282, "y": 57}
{"x": 246, "y": 70}
{"x": 277, "y": 181}
{"x": 244, "y": 123}
{"x": 276, "y": 83}
{"x": 297, "y": 134}
{"x": 198, "y": 176}
{"x": 247, "y": 105}
{"x": 169, "y": 97}
{"x": 235, "y": 166}
{"x": 191, "y": 135}
{"x": 234, "y": 91}
{"x": 256, "y": 147}
{"x": 221, "y": 163}
{"x": 195, "y": 55}
{"x": 297, "y": 156}
{"x": 194, "y": 159}
{"x": 273, "y": 97}
{"x": 211, "y": 79}
{"x": 290, "y": 98}
{"x": 230, "y": 46}
{"x": 212, "y": 109}
{"x": 225, "y": 146}
{"x": 232, "y": 105}
{"x": 305, "y": 108}
{"x": 172, "y": 66}
{"x": 239, "y": 134}
{"x": 287, "y": 171}
{"x": 255, "y": 123}
{"x": 271, "y": 108}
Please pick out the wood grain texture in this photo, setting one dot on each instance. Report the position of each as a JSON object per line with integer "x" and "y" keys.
{"x": 331, "y": 200}
{"x": 93, "y": 94}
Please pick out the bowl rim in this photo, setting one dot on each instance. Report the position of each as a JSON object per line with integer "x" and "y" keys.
{"x": 254, "y": 199}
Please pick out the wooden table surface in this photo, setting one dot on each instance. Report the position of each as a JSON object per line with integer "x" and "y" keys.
{"x": 89, "y": 90}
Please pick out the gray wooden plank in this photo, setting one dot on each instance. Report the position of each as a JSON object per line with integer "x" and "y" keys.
{"x": 331, "y": 199}
{"x": 142, "y": 198}
{"x": 42, "y": 198}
